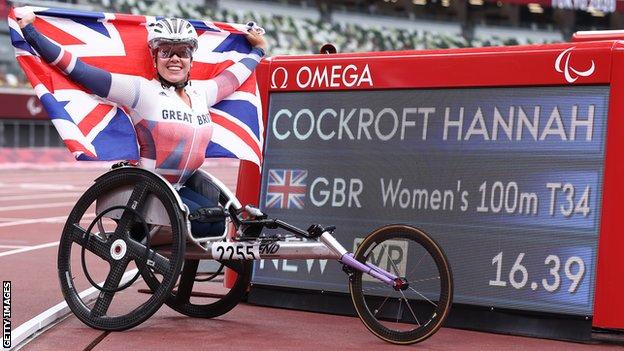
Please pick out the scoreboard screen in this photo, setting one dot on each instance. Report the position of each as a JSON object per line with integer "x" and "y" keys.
{"x": 507, "y": 180}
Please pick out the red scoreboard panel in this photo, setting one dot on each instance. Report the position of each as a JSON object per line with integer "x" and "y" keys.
{"x": 510, "y": 157}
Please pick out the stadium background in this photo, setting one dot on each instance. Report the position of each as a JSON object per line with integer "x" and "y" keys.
{"x": 302, "y": 26}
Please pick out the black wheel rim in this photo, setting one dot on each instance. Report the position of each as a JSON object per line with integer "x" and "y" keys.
{"x": 141, "y": 183}
{"x": 410, "y": 315}
{"x": 215, "y": 304}
{"x": 212, "y": 275}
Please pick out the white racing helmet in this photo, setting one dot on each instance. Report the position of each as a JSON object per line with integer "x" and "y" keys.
{"x": 171, "y": 31}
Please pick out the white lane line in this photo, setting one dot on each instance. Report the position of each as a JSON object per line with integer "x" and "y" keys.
{"x": 42, "y": 186}
{"x": 29, "y": 248}
{"x": 13, "y": 192}
{"x": 57, "y": 219}
{"x": 51, "y": 315}
{"x": 38, "y": 196}
{"x": 13, "y": 246}
{"x": 28, "y": 207}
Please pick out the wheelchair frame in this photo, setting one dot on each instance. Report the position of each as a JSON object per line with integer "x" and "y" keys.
{"x": 155, "y": 214}
{"x": 315, "y": 243}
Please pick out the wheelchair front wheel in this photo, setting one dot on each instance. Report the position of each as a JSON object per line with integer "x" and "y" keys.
{"x": 111, "y": 247}
{"x": 411, "y": 314}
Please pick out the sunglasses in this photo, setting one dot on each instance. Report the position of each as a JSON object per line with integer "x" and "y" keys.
{"x": 184, "y": 51}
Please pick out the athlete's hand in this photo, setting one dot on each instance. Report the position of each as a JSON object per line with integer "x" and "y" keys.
{"x": 256, "y": 39}
{"x": 27, "y": 18}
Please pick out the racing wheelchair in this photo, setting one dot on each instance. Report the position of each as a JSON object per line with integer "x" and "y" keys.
{"x": 133, "y": 222}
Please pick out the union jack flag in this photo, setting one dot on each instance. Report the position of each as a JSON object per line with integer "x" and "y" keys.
{"x": 286, "y": 188}
{"x": 95, "y": 129}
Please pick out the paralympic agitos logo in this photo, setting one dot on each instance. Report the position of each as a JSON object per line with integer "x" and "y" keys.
{"x": 323, "y": 76}
{"x": 563, "y": 65}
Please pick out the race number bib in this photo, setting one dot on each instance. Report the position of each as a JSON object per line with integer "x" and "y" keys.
{"x": 234, "y": 251}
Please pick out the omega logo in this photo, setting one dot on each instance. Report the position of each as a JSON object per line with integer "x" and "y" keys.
{"x": 282, "y": 74}
{"x": 333, "y": 76}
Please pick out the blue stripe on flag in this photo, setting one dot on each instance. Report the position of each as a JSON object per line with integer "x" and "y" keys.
{"x": 249, "y": 63}
{"x": 55, "y": 108}
{"x": 85, "y": 157}
{"x": 18, "y": 41}
{"x": 88, "y": 19}
{"x": 94, "y": 25}
{"x": 71, "y": 14}
{"x": 234, "y": 42}
{"x": 216, "y": 150}
{"x": 117, "y": 141}
{"x": 244, "y": 111}
{"x": 200, "y": 25}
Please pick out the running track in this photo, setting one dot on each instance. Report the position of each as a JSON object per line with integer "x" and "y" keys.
{"x": 34, "y": 204}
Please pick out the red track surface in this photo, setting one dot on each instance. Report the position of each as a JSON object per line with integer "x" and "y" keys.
{"x": 259, "y": 328}
{"x": 33, "y": 208}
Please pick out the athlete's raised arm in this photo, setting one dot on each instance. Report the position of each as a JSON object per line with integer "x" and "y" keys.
{"x": 231, "y": 78}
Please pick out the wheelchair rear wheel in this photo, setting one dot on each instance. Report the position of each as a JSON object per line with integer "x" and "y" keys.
{"x": 201, "y": 291}
{"x": 209, "y": 299}
{"x": 113, "y": 249}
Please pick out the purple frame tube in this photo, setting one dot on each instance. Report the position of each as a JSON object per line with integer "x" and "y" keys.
{"x": 369, "y": 268}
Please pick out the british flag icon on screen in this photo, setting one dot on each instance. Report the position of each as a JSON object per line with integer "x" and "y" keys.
{"x": 286, "y": 188}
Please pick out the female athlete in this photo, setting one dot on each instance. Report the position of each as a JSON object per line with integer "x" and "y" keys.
{"x": 171, "y": 117}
